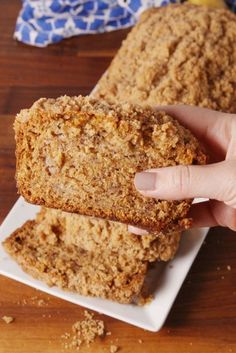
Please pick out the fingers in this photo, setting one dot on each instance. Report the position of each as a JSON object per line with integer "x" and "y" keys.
{"x": 213, "y": 181}
{"x": 211, "y": 127}
{"x": 213, "y": 213}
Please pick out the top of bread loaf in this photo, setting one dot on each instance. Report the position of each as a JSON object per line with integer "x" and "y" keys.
{"x": 176, "y": 54}
{"x": 81, "y": 155}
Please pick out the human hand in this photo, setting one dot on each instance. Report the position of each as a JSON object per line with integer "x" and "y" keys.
{"x": 215, "y": 181}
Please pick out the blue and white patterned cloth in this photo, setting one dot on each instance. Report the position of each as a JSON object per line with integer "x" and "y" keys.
{"x": 231, "y": 4}
{"x": 42, "y": 22}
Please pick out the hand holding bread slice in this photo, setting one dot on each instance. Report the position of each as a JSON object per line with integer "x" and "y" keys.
{"x": 80, "y": 155}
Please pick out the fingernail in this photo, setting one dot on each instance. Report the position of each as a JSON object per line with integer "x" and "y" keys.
{"x": 145, "y": 181}
{"x": 137, "y": 231}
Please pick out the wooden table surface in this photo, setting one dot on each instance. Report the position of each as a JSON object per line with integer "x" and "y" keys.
{"x": 203, "y": 318}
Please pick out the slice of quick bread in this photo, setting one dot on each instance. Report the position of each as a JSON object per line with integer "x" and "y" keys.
{"x": 176, "y": 54}
{"x": 97, "y": 235}
{"x": 80, "y": 155}
{"x": 87, "y": 255}
{"x": 105, "y": 274}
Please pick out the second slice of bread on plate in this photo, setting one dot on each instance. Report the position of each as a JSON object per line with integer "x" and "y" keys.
{"x": 101, "y": 274}
{"x": 99, "y": 235}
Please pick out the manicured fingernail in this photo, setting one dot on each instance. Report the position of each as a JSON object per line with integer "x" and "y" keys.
{"x": 138, "y": 231}
{"x": 145, "y": 181}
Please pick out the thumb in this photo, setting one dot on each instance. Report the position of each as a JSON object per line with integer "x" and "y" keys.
{"x": 215, "y": 181}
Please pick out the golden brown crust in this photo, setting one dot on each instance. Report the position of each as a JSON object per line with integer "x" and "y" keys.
{"x": 80, "y": 155}
{"x": 176, "y": 54}
{"x": 106, "y": 274}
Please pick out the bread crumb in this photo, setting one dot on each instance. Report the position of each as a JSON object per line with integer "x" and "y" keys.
{"x": 218, "y": 268}
{"x": 140, "y": 341}
{"x": 35, "y": 300}
{"x": 222, "y": 277}
{"x": 8, "y": 319}
{"x": 66, "y": 335}
{"x": 41, "y": 302}
{"x": 84, "y": 332}
{"x": 38, "y": 301}
{"x": 145, "y": 300}
{"x": 229, "y": 268}
{"x": 113, "y": 348}
{"x": 108, "y": 333}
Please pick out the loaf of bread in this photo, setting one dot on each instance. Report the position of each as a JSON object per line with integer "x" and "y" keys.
{"x": 97, "y": 235}
{"x": 176, "y": 54}
{"x": 80, "y": 155}
{"x": 103, "y": 274}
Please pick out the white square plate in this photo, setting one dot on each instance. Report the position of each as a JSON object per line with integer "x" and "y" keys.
{"x": 167, "y": 277}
